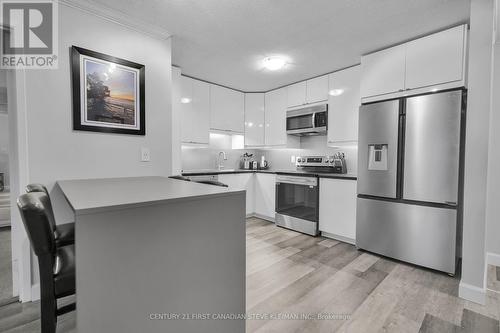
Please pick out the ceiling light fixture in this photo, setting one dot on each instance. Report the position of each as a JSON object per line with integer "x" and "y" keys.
{"x": 185, "y": 100}
{"x": 336, "y": 92}
{"x": 273, "y": 63}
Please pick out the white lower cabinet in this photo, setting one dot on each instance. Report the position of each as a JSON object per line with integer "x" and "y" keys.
{"x": 337, "y": 208}
{"x": 265, "y": 195}
{"x": 241, "y": 181}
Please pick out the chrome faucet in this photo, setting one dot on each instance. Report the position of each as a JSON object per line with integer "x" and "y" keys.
{"x": 224, "y": 157}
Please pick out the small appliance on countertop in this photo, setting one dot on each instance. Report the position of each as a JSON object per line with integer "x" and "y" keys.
{"x": 246, "y": 161}
{"x": 327, "y": 164}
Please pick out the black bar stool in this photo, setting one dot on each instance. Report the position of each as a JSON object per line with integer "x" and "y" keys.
{"x": 56, "y": 264}
{"x": 64, "y": 233}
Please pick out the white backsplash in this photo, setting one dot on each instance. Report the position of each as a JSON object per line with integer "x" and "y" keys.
{"x": 194, "y": 158}
{"x": 207, "y": 158}
{"x": 312, "y": 145}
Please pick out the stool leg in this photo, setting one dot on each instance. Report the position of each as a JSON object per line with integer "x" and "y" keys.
{"x": 48, "y": 300}
{"x": 48, "y": 314}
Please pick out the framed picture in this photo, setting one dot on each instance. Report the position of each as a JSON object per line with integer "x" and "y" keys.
{"x": 108, "y": 93}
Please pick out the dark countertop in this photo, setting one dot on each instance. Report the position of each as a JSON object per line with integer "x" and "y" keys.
{"x": 275, "y": 171}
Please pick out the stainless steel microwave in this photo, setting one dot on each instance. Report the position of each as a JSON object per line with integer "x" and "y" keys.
{"x": 309, "y": 120}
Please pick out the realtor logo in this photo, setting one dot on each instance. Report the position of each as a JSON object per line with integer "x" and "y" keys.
{"x": 29, "y": 40}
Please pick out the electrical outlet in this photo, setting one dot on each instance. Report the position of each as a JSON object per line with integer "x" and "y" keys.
{"x": 145, "y": 155}
{"x": 292, "y": 159}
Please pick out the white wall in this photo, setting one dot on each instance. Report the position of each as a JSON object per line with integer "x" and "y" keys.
{"x": 476, "y": 150}
{"x": 493, "y": 207}
{"x": 57, "y": 152}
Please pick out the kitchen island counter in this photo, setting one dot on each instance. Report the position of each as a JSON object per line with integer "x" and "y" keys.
{"x": 150, "y": 246}
{"x": 92, "y": 195}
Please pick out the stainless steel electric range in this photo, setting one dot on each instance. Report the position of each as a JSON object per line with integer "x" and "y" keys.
{"x": 297, "y": 194}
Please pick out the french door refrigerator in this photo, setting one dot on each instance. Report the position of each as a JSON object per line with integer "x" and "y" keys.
{"x": 409, "y": 178}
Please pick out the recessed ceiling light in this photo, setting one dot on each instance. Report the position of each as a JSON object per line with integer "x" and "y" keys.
{"x": 185, "y": 100}
{"x": 336, "y": 92}
{"x": 274, "y": 63}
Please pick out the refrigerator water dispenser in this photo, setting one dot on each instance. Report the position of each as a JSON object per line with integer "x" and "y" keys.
{"x": 377, "y": 157}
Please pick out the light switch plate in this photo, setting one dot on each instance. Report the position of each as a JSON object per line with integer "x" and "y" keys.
{"x": 292, "y": 159}
{"x": 145, "y": 155}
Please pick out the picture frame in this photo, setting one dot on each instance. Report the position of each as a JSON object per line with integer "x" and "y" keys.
{"x": 108, "y": 93}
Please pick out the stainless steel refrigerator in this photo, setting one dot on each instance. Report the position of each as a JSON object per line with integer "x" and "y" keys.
{"x": 410, "y": 178}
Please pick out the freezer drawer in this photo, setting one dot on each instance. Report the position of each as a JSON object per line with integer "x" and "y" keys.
{"x": 378, "y": 149}
{"x": 421, "y": 235}
{"x": 432, "y": 147}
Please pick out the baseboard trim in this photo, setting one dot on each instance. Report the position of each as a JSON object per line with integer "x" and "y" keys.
{"x": 339, "y": 238}
{"x": 493, "y": 259}
{"x": 263, "y": 217}
{"x": 35, "y": 292}
{"x": 472, "y": 293}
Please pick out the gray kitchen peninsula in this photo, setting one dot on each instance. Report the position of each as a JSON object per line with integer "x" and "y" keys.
{"x": 155, "y": 254}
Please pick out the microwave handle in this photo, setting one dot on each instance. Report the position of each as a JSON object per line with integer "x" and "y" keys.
{"x": 313, "y": 120}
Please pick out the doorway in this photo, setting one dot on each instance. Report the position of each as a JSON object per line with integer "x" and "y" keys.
{"x": 6, "y": 291}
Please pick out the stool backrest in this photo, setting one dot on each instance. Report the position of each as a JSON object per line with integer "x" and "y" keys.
{"x": 36, "y": 188}
{"x": 40, "y": 188}
{"x": 38, "y": 219}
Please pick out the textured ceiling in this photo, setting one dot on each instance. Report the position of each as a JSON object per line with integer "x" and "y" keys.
{"x": 223, "y": 41}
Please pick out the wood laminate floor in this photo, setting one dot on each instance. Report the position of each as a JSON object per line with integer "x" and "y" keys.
{"x": 290, "y": 274}
{"x": 293, "y": 274}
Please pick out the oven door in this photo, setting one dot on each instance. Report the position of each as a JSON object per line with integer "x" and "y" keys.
{"x": 297, "y": 203}
{"x": 297, "y": 197}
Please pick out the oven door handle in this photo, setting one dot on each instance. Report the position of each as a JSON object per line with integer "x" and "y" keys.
{"x": 297, "y": 181}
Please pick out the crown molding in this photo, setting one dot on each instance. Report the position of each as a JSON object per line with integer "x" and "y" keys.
{"x": 118, "y": 17}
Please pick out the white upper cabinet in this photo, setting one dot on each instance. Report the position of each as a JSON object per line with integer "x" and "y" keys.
{"x": 254, "y": 119}
{"x": 296, "y": 94}
{"x": 383, "y": 72}
{"x": 195, "y": 110}
{"x": 227, "y": 109}
{"x": 307, "y": 92}
{"x": 317, "y": 89}
{"x": 436, "y": 59}
{"x": 275, "y": 131}
{"x": 343, "y": 106}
